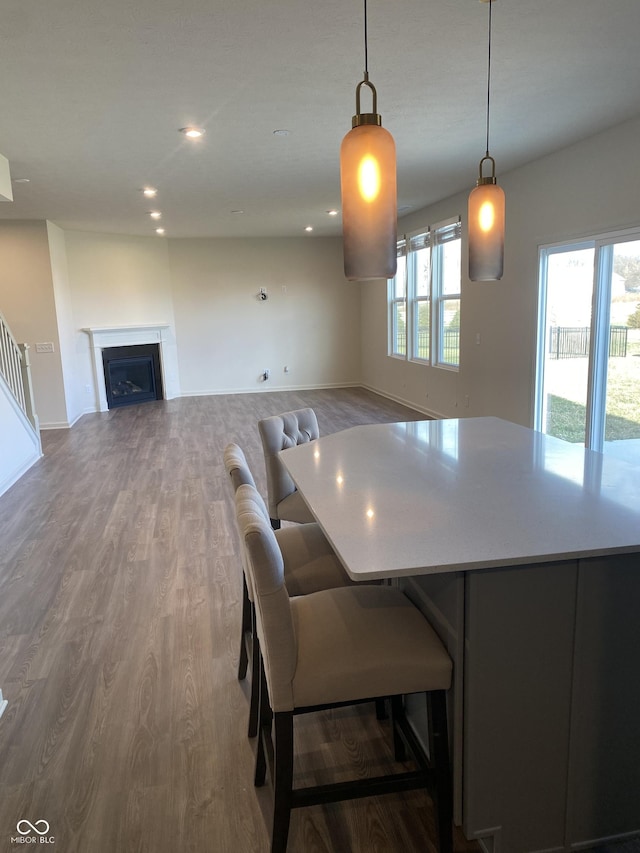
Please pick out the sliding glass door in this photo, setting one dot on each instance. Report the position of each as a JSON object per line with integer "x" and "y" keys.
{"x": 620, "y": 395}
{"x": 567, "y": 274}
{"x": 588, "y": 376}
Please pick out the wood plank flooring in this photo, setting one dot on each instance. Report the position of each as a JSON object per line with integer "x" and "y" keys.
{"x": 119, "y": 630}
{"x": 119, "y": 624}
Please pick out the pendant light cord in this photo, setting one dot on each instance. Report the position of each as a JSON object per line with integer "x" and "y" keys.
{"x": 488, "y": 75}
{"x": 366, "y": 48}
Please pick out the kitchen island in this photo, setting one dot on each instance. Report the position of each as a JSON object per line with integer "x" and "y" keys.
{"x": 524, "y": 553}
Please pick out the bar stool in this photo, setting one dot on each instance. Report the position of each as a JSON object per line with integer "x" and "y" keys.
{"x": 277, "y": 433}
{"x": 310, "y": 564}
{"x": 339, "y": 647}
{"x": 239, "y": 473}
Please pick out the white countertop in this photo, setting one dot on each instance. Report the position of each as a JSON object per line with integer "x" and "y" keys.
{"x": 446, "y": 495}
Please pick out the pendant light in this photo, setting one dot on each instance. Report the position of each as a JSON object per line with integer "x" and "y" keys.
{"x": 368, "y": 184}
{"x": 486, "y": 210}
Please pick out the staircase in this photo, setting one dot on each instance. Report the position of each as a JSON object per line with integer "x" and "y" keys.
{"x": 20, "y": 444}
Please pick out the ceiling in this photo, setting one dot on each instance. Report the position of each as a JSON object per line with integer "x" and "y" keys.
{"x": 93, "y": 93}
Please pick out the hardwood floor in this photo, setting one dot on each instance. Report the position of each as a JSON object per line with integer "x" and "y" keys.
{"x": 119, "y": 620}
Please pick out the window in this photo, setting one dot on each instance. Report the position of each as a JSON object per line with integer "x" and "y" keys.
{"x": 588, "y": 376}
{"x": 424, "y": 297}
{"x": 398, "y": 305}
{"x": 419, "y": 276}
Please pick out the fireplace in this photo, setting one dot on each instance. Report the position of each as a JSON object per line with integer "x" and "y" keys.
{"x": 132, "y": 374}
{"x": 103, "y": 338}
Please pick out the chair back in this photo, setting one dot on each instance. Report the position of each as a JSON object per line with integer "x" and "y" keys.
{"x": 239, "y": 473}
{"x": 237, "y": 468}
{"x": 273, "y": 611}
{"x": 278, "y": 433}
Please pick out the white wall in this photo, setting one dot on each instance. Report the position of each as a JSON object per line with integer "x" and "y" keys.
{"x": 27, "y": 302}
{"x": 206, "y": 289}
{"x": 588, "y": 188}
{"x": 74, "y": 401}
{"x": 114, "y": 280}
{"x": 226, "y": 336}
{"x": 328, "y": 332}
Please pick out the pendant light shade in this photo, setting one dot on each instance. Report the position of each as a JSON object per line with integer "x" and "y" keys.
{"x": 486, "y": 211}
{"x": 486, "y": 228}
{"x": 369, "y": 196}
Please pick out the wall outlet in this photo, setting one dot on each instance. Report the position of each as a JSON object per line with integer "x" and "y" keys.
{"x": 266, "y": 374}
{"x": 48, "y": 347}
{"x": 286, "y": 368}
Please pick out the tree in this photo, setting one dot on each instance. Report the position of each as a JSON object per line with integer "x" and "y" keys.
{"x": 634, "y": 319}
{"x": 629, "y": 269}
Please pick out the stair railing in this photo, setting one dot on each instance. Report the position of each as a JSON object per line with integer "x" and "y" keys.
{"x": 15, "y": 368}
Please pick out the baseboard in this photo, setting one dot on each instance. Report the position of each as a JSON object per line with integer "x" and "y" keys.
{"x": 66, "y": 424}
{"x": 266, "y": 387}
{"x": 408, "y": 403}
{"x": 270, "y": 389}
{"x": 9, "y": 481}
{"x": 75, "y": 420}
{"x": 56, "y": 425}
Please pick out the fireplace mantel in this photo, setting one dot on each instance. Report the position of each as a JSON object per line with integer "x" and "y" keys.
{"x": 103, "y": 337}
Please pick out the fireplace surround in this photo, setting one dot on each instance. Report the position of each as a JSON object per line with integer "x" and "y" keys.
{"x": 102, "y": 338}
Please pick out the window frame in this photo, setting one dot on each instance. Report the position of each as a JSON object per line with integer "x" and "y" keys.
{"x": 598, "y": 354}
{"x": 424, "y": 238}
{"x": 413, "y": 344}
{"x": 439, "y": 297}
{"x": 395, "y": 301}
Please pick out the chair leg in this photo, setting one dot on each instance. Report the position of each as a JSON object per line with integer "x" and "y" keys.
{"x": 437, "y": 707}
{"x": 381, "y": 710}
{"x": 397, "y": 710}
{"x": 254, "y": 696}
{"x": 261, "y": 757}
{"x": 283, "y": 781}
{"x": 275, "y": 523}
{"x": 245, "y": 627}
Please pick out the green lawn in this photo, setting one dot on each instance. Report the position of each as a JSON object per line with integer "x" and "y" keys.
{"x": 566, "y": 420}
{"x": 566, "y": 416}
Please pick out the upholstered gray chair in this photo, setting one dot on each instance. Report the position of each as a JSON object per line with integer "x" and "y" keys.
{"x": 310, "y": 564}
{"x": 239, "y": 473}
{"x": 334, "y": 647}
{"x": 278, "y": 433}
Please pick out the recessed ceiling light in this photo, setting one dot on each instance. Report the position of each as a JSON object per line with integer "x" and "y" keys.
{"x": 22, "y": 180}
{"x": 281, "y": 132}
{"x": 192, "y": 132}
{"x": 237, "y": 212}
{"x": 149, "y": 192}
{"x": 155, "y": 214}
{"x": 309, "y": 228}
{"x": 159, "y": 230}
{"x": 332, "y": 212}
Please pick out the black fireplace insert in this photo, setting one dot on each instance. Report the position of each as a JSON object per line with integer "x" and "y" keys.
{"x": 132, "y": 374}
